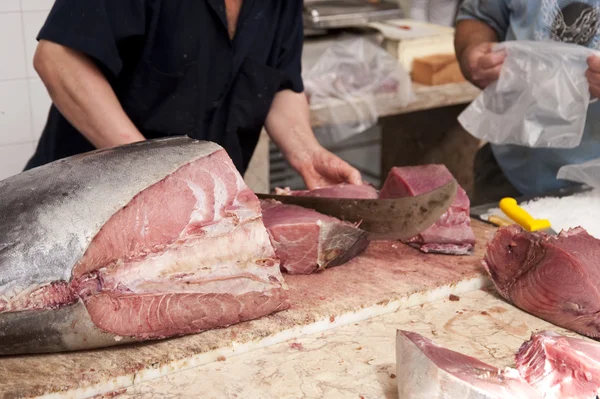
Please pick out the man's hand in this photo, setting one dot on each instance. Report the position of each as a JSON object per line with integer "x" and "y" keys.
{"x": 323, "y": 168}
{"x": 288, "y": 125}
{"x": 593, "y": 75}
{"x": 481, "y": 65}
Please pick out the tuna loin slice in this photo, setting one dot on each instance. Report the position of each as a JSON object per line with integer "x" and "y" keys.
{"x": 560, "y": 367}
{"x": 428, "y": 371}
{"x": 147, "y": 241}
{"x": 307, "y": 241}
{"x": 338, "y": 191}
{"x": 452, "y": 233}
{"x": 556, "y": 278}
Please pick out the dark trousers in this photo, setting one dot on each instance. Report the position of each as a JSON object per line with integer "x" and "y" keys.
{"x": 490, "y": 183}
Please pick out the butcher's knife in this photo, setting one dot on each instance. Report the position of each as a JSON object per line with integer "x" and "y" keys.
{"x": 382, "y": 219}
{"x": 513, "y": 210}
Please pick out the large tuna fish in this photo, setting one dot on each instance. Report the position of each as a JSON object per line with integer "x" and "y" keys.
{"x": 146, "y": 241}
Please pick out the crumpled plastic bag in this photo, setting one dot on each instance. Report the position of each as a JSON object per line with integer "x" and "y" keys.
{"x": 344, "y": 81}
{"x": 587, "y": 173}
{"x": 540, "y": 99}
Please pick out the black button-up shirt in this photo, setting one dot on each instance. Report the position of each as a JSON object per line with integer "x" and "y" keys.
{"x": 175, "y": 70}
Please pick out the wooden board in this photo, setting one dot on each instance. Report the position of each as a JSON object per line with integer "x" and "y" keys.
{"x": 387, "y": 277}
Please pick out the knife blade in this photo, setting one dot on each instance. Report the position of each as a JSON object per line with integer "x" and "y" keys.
{"x": 382, "y": 219}
{"x": 513, "y": 210}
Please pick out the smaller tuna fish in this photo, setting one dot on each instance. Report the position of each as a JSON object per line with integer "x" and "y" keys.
{"x": 555, "y": 278}
{"x": 428, "y": 371}
{"x": 306, "y": 241}
{"x": 560, "y": 367}
{"x": 452, "y": 233}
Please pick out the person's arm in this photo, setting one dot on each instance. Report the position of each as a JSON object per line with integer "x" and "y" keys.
{"x": 288, "y": 121}
{"x": 593, "y": 76}
{"x": 473, "y": 44}
{"x": 83, "y": 96}
{"x": 479, "y": 26}
{"x": 78, "y": 53}
{"x": 288, "y": 125}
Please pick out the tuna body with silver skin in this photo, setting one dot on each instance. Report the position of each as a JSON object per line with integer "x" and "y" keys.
{"x": 426, "y": 370}
{"x": 145, "y": 241}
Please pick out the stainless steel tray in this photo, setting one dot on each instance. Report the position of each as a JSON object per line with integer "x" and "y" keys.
{"x": 327, "y": 14}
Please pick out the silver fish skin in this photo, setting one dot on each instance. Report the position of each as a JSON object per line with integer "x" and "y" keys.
{"x": 428, "y": 371}
{"x": 49, "y": 216}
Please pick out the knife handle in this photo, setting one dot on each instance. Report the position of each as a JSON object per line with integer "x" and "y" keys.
{"x": 512, "y": 209}
{"x": 498, "y": 221}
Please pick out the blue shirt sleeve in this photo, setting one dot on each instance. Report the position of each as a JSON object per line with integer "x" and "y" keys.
{"x": 494, "y": 13}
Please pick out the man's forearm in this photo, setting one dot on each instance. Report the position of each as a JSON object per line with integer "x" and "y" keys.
{"x": 83, "y": 95}
{"x": 288, "y": 125}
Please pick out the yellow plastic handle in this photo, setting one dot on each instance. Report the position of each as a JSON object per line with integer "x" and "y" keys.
{"x": 512, "y": 209}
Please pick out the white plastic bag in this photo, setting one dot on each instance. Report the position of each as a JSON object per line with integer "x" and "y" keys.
{"x": 540, "y": 99}
{"x": 586, "y": 173}
{"x": 343, "y": 84}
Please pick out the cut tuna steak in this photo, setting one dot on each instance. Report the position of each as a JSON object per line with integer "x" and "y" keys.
{"x": 428, "y": 371}
{"x": 146, "y": 241}
{"x": 307, "y": 241}
{"x": 452, "y": 233}
{"x": 338, "y": 191}
{"x": 556, "y": 278}
{"x": 560, "y": 367}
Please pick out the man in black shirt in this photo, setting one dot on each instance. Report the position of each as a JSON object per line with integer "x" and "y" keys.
{"x": 121, "y": 71}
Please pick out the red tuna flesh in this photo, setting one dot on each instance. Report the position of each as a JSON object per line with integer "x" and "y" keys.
{"x": 560, "y": 367}
{"x": 364, "y": 191}
{"x": 307, "y": 241}
{"x": 556, "y": 278}
{"x": 426, "y": 370}
{"x": 452, "y": 233}
{"x": 206, "y": 265}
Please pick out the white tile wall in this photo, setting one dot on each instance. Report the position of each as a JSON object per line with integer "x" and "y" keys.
{"x": 10, "y": 5}
{"x": 32, "y": 23}
{"x": 24, "y": 101}
{"x": 40, "y": 105}
{"x": 12, "y": 46}
{"x": 15, "y": 112}
{"x": 13, "y": 157}
{"x": 36, "y": 5}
